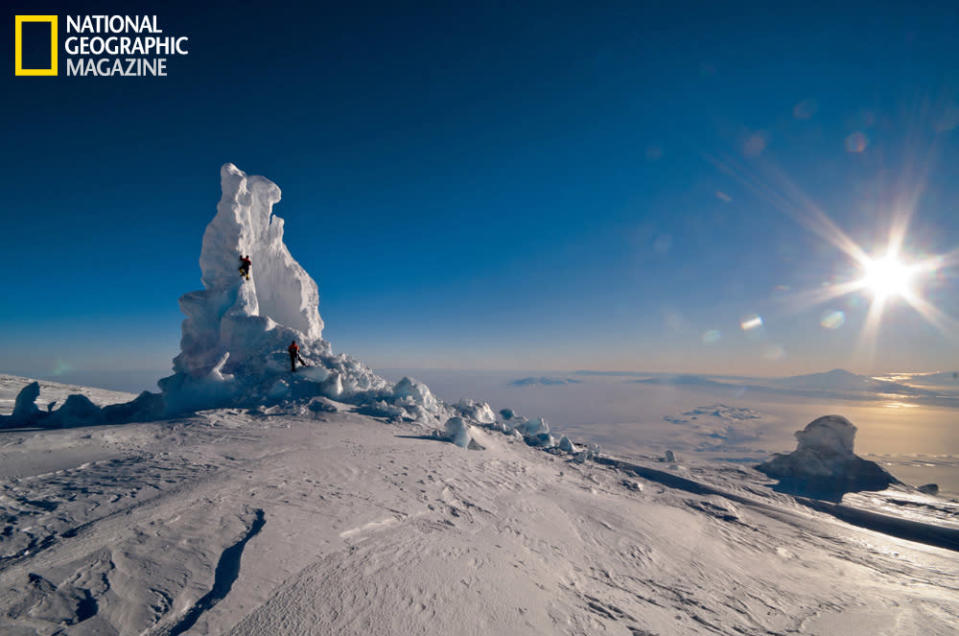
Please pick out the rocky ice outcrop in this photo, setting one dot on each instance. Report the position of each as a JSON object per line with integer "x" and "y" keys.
{"x": 824, "y": 465}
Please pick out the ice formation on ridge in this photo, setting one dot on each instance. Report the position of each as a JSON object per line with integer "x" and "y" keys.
{"x": 823, "y": 464}
{"x": 233, "y": 350}
{"x": 233, "y": 323}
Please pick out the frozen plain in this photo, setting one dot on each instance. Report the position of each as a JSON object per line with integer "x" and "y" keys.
{"x": 342, "y": 523}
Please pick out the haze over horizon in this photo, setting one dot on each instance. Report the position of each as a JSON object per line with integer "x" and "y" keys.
{"x": 629, "y": 188}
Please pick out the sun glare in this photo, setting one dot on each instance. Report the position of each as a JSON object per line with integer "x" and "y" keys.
{"x": 887, "y": 277}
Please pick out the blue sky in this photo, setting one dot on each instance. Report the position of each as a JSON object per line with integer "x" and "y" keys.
{"x": 498, "y": 185}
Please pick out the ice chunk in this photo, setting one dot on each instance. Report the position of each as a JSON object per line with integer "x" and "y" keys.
{"x": 332, "y": 387}
{"x": 322, "y": 405}
{"x": 479, "y": 412}
{"x": 147, "y": 406}
{"x": 415, "y": 391}
{"x": 546, "y": 440}
{"x": 77, "y": 410}
{"x": 25, "y": 407}
{"x": 534, "y": 427}
{"x": 830, "y": 435}
{"x": 458, "y": 432}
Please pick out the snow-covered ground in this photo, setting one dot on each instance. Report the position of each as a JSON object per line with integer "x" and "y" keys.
{"x": 228, "y": 522}
{"x": 250, "y": 498}
{"x": 917, "y": 442}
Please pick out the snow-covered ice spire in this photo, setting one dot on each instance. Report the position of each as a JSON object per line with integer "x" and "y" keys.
{"x": 233, "y": 351}
{"x": 245, "y": 225}
{"x": 233, "y": 322}
{"x": 234, "y": 346}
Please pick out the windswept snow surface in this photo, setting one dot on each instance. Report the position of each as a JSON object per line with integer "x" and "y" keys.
{"x": 916, "y": 441}
{"x": 339, "y": 523}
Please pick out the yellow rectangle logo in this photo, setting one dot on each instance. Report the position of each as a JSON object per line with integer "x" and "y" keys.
{"x": 18, "y": 47}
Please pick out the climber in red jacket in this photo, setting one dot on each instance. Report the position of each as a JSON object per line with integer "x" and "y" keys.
{"x": 294, "y": 356}
{"x": 245, "y": 264}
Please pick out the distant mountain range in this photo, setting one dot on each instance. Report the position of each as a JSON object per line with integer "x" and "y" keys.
{"x": 842, "y": 380}
{"x": 936, "y": 388}
{"x": 940, "y": 388}
{"x": 544, "y": 381}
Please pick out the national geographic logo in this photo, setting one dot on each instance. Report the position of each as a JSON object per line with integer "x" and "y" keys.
{"x": 94, "y": 46}
{"x": 39, "y": 21}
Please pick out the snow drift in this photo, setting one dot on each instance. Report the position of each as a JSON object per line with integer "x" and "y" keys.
{"x": 824, "y": 465}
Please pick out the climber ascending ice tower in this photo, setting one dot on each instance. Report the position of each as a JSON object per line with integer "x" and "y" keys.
{"x": 232, "y": 323}
{"x": 238, "y": 328}
{"x": 245, "y": 332}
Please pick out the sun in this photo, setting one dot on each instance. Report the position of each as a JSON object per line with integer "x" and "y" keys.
{"x": 888, "y": 277}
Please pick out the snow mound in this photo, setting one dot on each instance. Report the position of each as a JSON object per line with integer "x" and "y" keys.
{"x": 824, "y": 465}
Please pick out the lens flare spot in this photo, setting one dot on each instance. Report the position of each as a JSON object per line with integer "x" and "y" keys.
{"x": 857, "y": 142}
{"x": 774, "y": 352}
{"x": 60, "y": 367}
{"x": 754, "y": 145}
{"x": 805, "y": 109}
{"x": 751, "y": 322}
{"x": 663, "y": 243}
{"x": 832, "y": 319}
{"x": 712, "y": 336}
